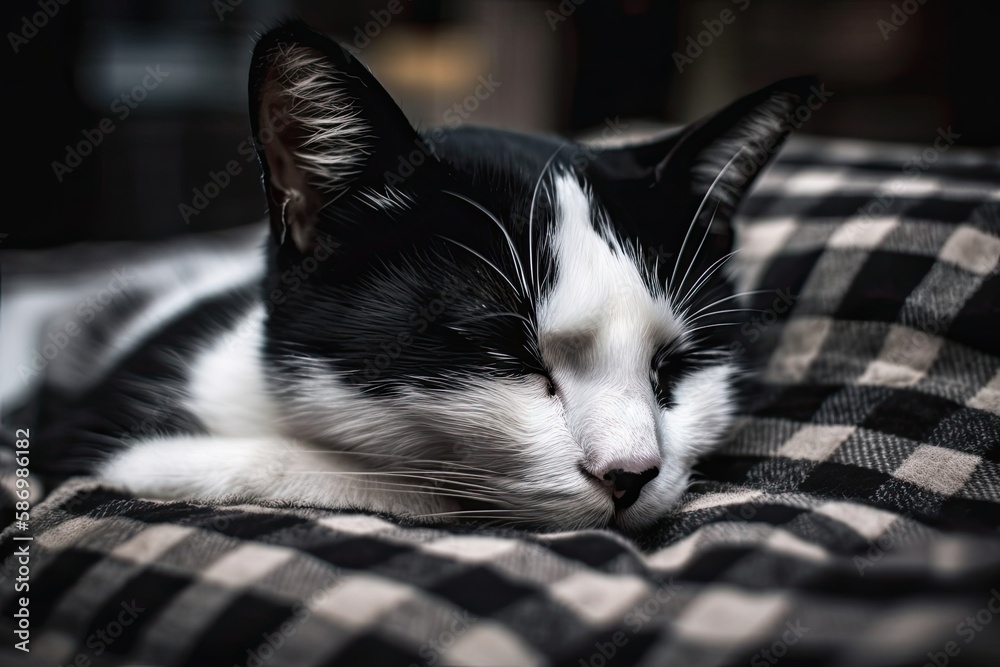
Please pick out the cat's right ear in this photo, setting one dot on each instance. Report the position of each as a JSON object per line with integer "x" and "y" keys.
{"x": 323, "y": 126}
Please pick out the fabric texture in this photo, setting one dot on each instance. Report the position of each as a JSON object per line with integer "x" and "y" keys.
{"x": 852, "y": 519}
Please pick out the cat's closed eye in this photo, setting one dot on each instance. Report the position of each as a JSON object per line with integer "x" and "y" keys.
{"x": 666, "y": 371}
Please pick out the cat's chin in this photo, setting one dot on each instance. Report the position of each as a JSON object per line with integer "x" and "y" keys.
{"x": 594, "y": 513}
{"x": 636, "y": 519}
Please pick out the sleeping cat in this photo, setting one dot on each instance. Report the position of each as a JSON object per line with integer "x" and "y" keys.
{"x": 471, "y": 324}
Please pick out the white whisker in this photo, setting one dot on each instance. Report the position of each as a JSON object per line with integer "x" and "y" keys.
{"x": 710, "y": 326}
{"x": 491, "y": 264}
{"x": 531, "y": 216}
{"x": 697, "y": 215}
{"x": 731, "y": 297}
{"x": 721, "y": 312}
{"x": 352, "y": 473}
{"x": 709, "y": 272}
{"x": 489, "y": 315}
{"x": 510, "y": 242}
{"x": 704, "y": 237}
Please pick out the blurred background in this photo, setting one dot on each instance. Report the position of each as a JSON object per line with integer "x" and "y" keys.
{"x": 128, "y": 120}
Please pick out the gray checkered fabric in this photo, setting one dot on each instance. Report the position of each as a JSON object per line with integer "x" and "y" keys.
{"x": 853, "y": 518}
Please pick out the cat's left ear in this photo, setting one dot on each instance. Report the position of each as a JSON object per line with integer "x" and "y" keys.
{"x": 716, "y": 159}
{"x": 323, "y": 126}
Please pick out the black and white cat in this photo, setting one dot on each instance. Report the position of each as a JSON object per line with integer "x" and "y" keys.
{"x": 468, "y": 324}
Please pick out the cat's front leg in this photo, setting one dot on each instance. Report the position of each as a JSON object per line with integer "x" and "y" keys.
{"x": 213, "y": 469}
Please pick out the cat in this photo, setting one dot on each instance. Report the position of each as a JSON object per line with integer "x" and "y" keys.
{"x": 466, "y": 324}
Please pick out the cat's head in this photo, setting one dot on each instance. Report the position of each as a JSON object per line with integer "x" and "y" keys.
{"x": 538, "y": 329}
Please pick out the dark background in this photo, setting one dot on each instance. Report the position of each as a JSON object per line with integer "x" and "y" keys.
{"x": 566, "y": 67}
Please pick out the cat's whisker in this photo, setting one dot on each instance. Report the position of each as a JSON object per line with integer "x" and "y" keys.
{"x": 439, "y": 494}
{"x": 697, "y": 215}
{"x": 531, "y": 217}
{"x": 490, "y": 315}
{"x": 421, "y": 489}
{"x": 710, "y": 354}
{"x": 443, "y": 493}
{"x": 721, "y": 312}
{"x": 711, "y": 326}
{"x": 488, "y": 490}
{"x": 697, "y": 252}
{"x": 401, "y": 457}
{"x": 488, "y": 262}
{"x": 510, "y": 242}
{"x": 427, "y": 479}
{"x": 477, "y": 513}
{"x": 709, "y": 272}
{"x": 453, "y": 476}
{"x": 418, "y": 471}
{"x": 738, "y": 295}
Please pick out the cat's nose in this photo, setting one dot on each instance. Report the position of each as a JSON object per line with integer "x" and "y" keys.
{"x": 625, "y": 486}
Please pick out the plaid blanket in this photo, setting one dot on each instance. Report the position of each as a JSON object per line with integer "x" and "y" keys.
{"x": 853, "y": 518}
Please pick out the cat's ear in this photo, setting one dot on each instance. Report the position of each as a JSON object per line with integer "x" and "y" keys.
{"x": 726, "y": 152}
{"x": 716, "y": 159}
{"x": 323, "y": 126}
{"x": 683, "y": 189}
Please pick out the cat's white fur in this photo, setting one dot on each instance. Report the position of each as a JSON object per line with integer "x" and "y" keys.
{"x": 306, "y": 87}
{"x": 599, "y": 327}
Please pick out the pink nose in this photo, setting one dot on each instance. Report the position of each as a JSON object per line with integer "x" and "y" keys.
{"x": 625, "y": 485}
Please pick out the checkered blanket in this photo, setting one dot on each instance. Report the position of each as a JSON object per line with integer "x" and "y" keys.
{"x": 852, "y": 520}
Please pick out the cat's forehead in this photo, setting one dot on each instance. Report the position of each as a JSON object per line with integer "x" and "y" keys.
{"x": 507, "y": 163}
{"x": 588, "y": 279}
{"x": 602, "y": 290}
